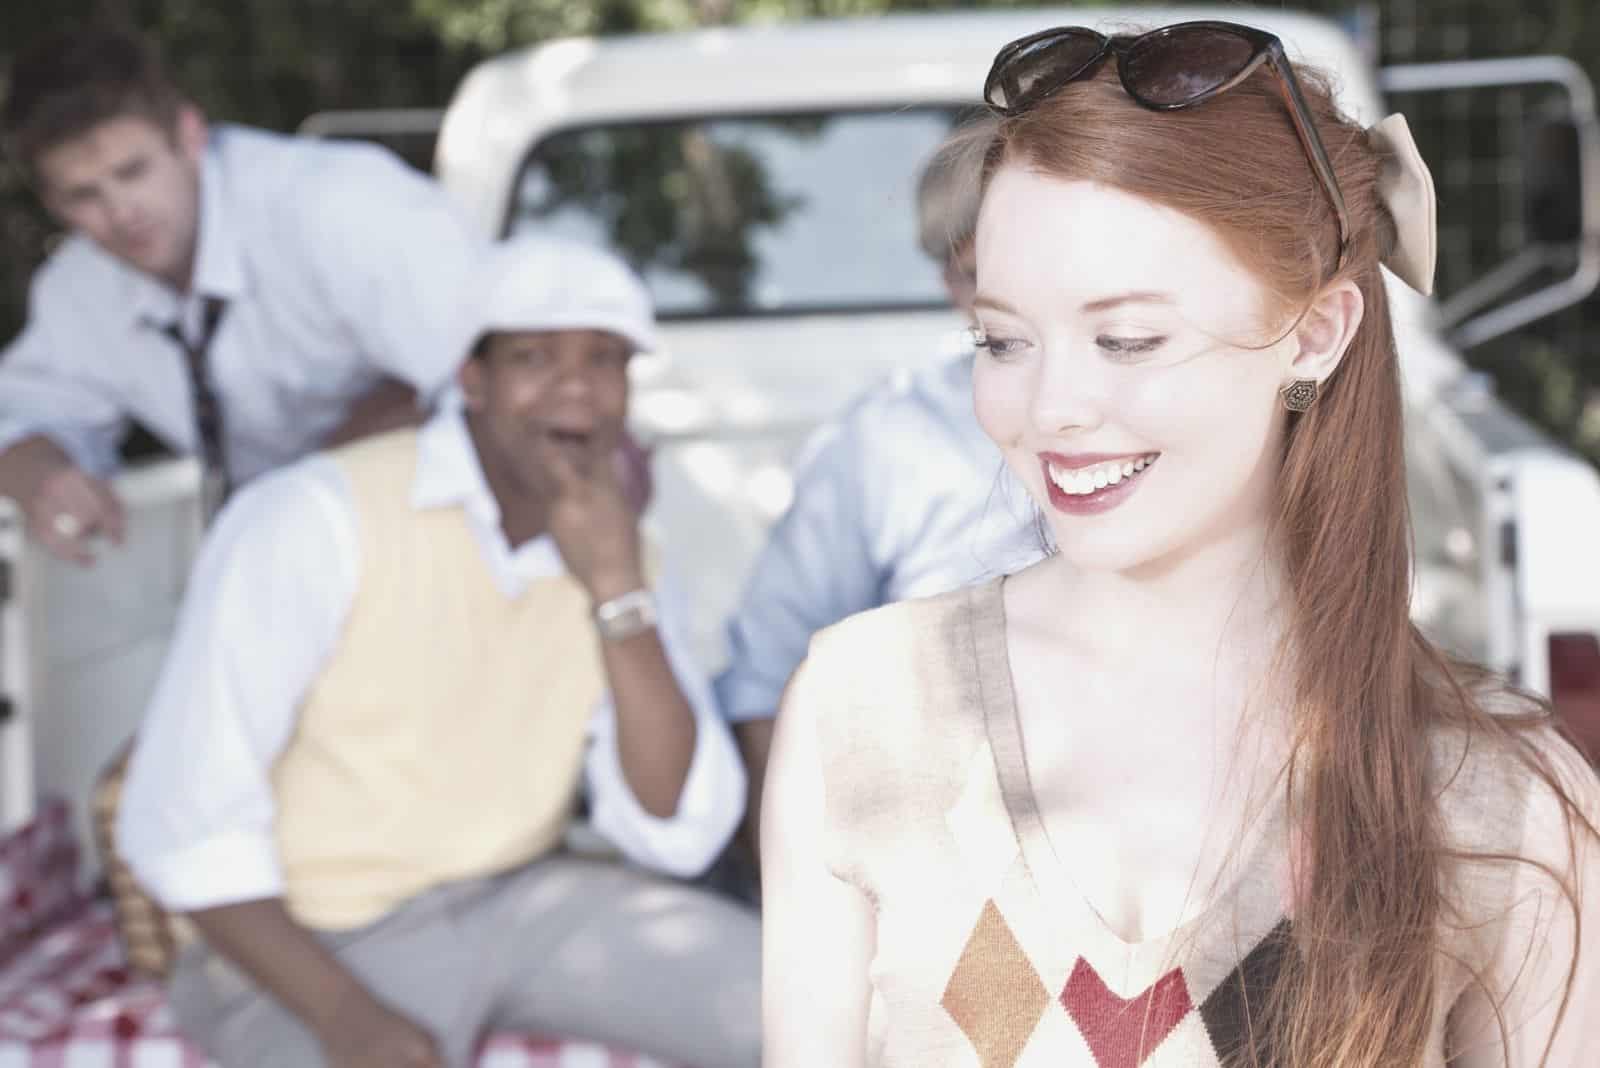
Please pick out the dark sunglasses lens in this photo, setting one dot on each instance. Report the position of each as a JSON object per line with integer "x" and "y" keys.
{"x": 1186, "y": 64}
{"x": 1044, "y": 64}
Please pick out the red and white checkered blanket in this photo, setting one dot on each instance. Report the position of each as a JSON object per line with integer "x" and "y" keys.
{"x": 67, "y": 999}
{"x": 38, "y": 878}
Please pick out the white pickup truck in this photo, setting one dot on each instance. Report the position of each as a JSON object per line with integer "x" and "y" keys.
{"x": 762, "y": 180}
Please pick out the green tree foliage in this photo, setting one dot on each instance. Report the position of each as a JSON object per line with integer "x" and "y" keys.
{"x": 669, "y": 197}
{"x": 265, "y": 62}
{"x": 271, "y": 63}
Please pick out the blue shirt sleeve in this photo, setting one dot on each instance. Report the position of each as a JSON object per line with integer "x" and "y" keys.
{"x": 816, "y": 568}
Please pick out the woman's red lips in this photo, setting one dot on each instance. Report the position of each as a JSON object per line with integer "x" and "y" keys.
{"x": 1091, "y": 483}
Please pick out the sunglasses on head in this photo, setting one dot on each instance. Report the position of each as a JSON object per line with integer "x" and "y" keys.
{"x": 1168, "y": 69}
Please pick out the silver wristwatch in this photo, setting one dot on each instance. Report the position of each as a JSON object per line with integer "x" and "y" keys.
{"x": 622, "y": 617}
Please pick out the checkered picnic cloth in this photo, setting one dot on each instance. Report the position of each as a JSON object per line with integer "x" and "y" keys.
{"x": 69, "y": 1000}
{"x": 38, "y": 877}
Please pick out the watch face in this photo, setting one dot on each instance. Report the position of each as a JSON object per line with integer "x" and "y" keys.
{"x": 627, "y": 615}
{"x": 624, "y": 624}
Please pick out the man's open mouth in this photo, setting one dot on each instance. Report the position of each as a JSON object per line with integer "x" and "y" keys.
{"x": 569, "y": 438}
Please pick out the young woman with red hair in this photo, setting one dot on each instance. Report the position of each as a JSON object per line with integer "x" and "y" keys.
{"x": 1194, "y": 790}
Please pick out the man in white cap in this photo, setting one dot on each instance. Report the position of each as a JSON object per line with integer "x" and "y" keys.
{"x": 397, "y": 666}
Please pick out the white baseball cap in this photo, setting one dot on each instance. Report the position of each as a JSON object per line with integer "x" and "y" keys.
{"x": 538, "y": 282}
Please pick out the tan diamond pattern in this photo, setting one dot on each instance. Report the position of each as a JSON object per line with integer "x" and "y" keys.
{"x": 995, "y": 994}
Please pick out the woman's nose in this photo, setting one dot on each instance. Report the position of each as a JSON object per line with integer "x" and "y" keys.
{"x": 1067, "y": 396}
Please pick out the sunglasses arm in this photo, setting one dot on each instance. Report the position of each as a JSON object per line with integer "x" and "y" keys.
{"x": 1300, "y": 114}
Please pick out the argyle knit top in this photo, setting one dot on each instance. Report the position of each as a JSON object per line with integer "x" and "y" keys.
{"x": 987, "y": 955}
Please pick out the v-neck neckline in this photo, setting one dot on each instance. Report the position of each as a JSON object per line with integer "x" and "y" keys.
{"x": 1259, "y": 873}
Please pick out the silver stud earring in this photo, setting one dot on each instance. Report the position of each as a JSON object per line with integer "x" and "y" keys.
{"x": 1299, "y": 395}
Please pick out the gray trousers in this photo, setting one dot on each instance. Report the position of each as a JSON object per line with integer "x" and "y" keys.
{"x": 564, "y": 947}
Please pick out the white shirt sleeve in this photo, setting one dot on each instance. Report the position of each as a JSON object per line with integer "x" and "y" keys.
{"x": 712, "y": 801}
{"x": 53, "y": 375}
{"x": 265, "y": 605}
{"x": 393, "y": 251}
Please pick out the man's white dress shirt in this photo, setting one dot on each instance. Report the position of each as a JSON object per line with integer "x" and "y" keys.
{"x": 264, "y": 611}
{"x": 339, "y": 264}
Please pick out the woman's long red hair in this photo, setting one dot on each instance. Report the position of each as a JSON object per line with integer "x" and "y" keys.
{"x": 1356, "y": 989}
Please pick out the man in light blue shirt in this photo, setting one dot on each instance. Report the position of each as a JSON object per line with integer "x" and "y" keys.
{"x": 247, "y": 297}
{"x": 904, "y": 496}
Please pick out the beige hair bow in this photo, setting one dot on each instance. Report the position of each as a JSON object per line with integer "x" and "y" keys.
{"x": 1406, "y": 187}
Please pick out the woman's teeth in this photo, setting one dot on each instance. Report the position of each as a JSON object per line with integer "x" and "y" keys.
{"x": 1081, "y": 481}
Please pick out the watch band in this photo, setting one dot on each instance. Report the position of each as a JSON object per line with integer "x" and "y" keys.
{"x": 624, "y": 616}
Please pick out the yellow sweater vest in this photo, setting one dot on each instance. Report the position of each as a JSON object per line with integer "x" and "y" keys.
{"x": 444, "y": 739}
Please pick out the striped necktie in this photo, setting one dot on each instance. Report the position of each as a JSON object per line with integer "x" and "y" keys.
{"x": 207, "y": 406}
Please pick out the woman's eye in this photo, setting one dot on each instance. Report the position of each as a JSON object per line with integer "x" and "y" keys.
{"x": 997, "y": 347}
{"x": 1127, "y": 347}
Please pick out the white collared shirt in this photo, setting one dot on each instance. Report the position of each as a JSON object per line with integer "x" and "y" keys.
{"x": 339, "y": 265}
{"x": 197, "y": 813}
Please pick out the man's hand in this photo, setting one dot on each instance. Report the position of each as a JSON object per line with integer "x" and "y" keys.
{"x": 597, "y": 531}
{"x": 632, "y": 464}
{"x": 362, "y": 1032}
{"x": 63, "y": 505}
{"x": 591, "y": 519}
{"x": 354, "y": 1028}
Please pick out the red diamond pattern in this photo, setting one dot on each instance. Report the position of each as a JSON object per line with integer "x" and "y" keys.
{"x": 1124, "y": 1032}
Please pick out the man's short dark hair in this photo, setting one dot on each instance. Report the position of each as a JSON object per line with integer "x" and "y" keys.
{"x": 72, "y": 80}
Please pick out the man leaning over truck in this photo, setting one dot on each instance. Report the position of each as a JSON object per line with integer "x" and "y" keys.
{"x": 394, "y": 666}
{"x": 245, "y": 296}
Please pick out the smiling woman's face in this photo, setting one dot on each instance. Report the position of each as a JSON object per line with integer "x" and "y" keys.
{"x": 1115, "y": 380}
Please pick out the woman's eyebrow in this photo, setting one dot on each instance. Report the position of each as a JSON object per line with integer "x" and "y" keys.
{"x": 983, "y": 300}
{"x": 1137, "y": 297}
{"x": 1099, "y": 304}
